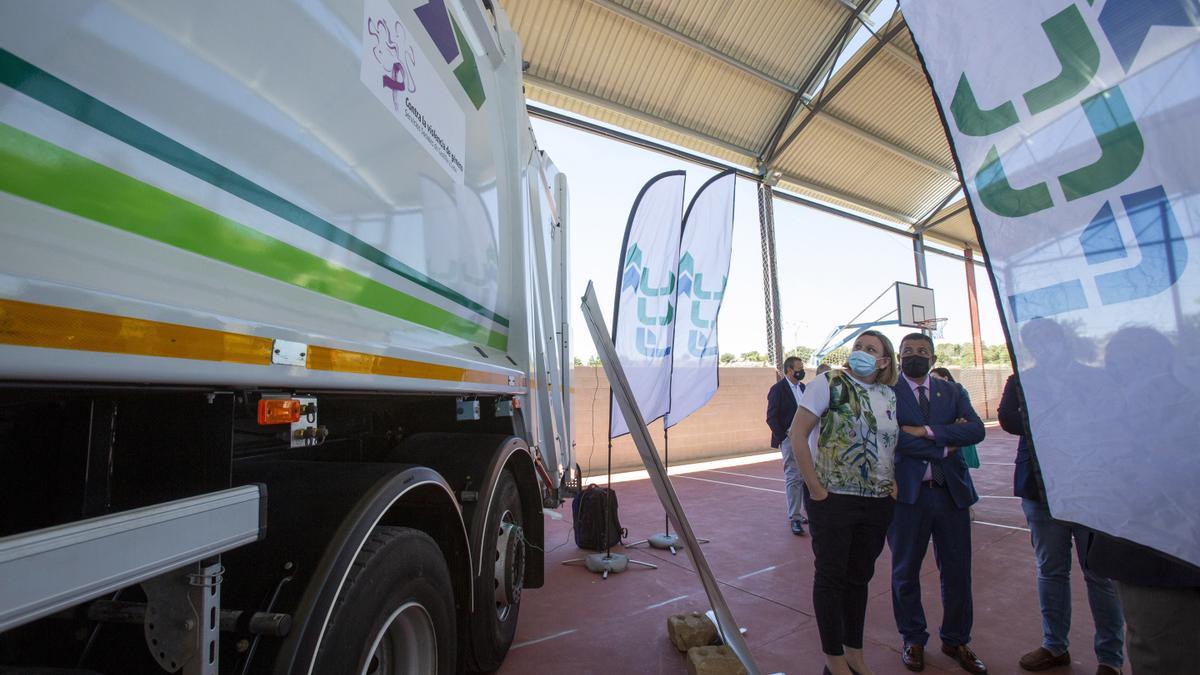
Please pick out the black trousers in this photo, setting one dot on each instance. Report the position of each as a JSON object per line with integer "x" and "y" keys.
{"x": 848, "y": 533}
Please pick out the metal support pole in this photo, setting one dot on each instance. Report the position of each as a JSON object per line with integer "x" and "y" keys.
{"x": 919, "y": 263}
{"x": 973, "y": 307}
{"x": 919, "y": 260}
{"x": 204, "y": 594}
{"x": 766, "y": 225}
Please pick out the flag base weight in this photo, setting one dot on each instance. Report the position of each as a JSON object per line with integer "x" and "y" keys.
{"x": 604, "y": 563}
{"x": 665, "y": 542}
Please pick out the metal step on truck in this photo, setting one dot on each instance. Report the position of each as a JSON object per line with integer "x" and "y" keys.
{"x": 284, "y": 375}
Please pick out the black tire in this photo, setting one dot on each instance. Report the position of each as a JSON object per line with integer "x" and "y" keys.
{"x": 397, "y": 568}
{"x": 493, "y": 627}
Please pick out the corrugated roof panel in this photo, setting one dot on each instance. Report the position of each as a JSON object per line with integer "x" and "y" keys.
{"x": 957, "y": 228}
{"x": 887, "y": 156}
{"x": 616, "y": 59}
{"x": 863, "y": 169}
{"x": 743, "y": 110}
{"x": 892, "y": 100}
{"x": 808, "y": 191}
{"x": 634, "y": 124}
{"x": 545, "y": 28}
{"x": 905, "y": 42}
{"x": 782, "y": 39}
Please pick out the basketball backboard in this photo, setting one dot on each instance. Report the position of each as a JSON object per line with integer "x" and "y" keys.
{"x": 914, "y": 304}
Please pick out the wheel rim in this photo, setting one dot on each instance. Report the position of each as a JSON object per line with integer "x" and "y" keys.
{"x": 407, "y": 643}
{"x": 510, "y": 565}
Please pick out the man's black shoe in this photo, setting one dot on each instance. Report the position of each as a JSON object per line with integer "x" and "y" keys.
{"x": 797, "y": 528}
{"x": 913, "y": 657}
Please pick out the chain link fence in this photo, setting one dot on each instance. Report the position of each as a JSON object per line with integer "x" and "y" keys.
{"x": 984, "y": 384}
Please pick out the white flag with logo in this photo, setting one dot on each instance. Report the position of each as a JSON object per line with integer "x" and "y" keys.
{"x": 644, "y": 315}
{"x": 1075, "y": 124}
{"x": 703, "y": 273}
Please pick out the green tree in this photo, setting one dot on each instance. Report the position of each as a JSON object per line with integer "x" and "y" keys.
{"x": 753, "y": 357}
{"x": 594, "y": 362}
{"x": 952, "y": 354}
{"x": 997, "y": 354}
{"x": 837, "y": 357}
{"x": 576, "y": 362}
{"x": 804, "y": 353}
{"x": 727, "y": 358}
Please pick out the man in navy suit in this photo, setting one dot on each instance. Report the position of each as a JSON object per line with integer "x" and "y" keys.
{"x": 781, "y": 408}
{"x": 934, "y": 493}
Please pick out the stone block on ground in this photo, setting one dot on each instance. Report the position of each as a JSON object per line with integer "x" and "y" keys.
{"x": 690, "y": 630}
{"x": 713, "y": 661}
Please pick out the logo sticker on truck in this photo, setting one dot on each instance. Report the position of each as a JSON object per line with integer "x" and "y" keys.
{"x": 397, "y": 71}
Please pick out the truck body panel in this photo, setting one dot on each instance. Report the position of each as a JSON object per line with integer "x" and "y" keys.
{"x": 204, "y": 206}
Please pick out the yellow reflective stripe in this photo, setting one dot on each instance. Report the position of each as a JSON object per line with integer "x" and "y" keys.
{"x": 342, "y": 361}
{"x": 32, "y": 325}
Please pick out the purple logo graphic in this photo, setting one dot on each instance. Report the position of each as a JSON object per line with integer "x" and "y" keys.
{"x": 436, "y": 20}
{"x": 392, "y": 57}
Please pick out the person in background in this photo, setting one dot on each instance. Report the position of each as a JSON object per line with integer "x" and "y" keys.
{"x": 823, "y": 368}
{"x": 781, "y": 407}
{"x": 1160, "y": 594}
{"x": 845, "y": 433}
{"x": 934, "y": 494}
{"x": 941, "y": 374}
{"x": 1052, "y": 548}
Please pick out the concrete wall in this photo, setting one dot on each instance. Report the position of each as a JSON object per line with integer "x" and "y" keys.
{"x": 732, "y": 424}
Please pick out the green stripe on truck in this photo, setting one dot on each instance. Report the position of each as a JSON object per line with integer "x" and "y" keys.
{"x": 51, "y": 91}
{"x": 42, "y": 172}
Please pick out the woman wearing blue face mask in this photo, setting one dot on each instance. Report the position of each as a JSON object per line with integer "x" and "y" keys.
{"x": 845, "y": 432}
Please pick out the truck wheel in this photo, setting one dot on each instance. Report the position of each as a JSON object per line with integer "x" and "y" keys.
{"x": 498, "y": 589}
{"x": 395, "y": 613}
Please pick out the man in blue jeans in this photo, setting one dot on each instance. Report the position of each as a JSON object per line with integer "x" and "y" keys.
{"x": 1052, "y": 546}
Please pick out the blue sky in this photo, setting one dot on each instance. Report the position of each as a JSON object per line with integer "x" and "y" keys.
{"x": 830, "y": 268}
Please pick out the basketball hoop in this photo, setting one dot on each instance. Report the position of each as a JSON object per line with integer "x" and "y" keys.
{"x": 934, "y": 326}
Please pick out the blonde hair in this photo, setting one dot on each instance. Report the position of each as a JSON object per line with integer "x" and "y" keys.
{"x": 890, "y": 374}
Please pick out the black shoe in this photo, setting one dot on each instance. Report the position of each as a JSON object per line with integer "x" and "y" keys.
{"x": 797, "y": 528}
{"x": 913, "y": 657}
{"x": 826, "y": 671}
{"x": 965, "y": 657}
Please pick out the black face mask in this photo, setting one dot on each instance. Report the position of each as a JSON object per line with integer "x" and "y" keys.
{"x": 915, "y": 366}
{"x": 799, "y": 374}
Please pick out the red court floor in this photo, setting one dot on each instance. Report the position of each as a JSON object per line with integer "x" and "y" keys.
{"x": 579, "y": 623}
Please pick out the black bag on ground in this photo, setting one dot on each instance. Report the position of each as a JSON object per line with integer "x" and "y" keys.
{"x": 587, "y": 510}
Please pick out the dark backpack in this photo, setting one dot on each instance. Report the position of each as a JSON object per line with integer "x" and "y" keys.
{"x": 587, "y": 510}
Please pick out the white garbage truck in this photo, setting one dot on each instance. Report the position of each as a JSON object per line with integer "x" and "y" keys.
{"x": 284, "y": 374}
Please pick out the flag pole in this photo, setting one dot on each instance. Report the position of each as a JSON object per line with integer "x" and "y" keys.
{"x": 666, "y": 540}
{"x": 609, "y": 562}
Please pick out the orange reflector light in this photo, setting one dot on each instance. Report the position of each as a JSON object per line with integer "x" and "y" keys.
{"x": 278, "y": 411}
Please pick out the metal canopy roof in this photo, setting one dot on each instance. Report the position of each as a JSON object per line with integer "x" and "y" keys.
{"x": 748, "y": 82}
